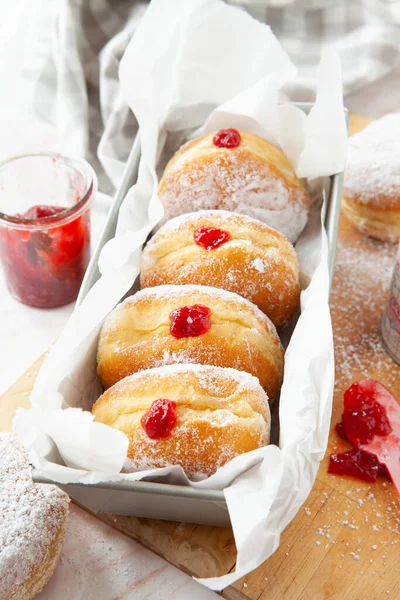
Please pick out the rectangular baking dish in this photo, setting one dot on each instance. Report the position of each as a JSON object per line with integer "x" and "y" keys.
{"x": 160, "y": 500}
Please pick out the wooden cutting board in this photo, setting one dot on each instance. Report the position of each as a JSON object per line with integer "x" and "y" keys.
{"x": 342, "y": 545}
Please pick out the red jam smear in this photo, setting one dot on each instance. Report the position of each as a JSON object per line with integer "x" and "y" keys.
{"x": 45, "y": 265}
{"x": 363, "y": 417}
{"x": 190, "y": 321}
{"x": 227, "y": 138}
{"x": 160, "y": 419}
{"x": 211, "y": 238}
{"x": 357, "y": 463}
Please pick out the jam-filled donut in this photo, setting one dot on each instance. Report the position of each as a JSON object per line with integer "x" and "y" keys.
{"x": 33, "y": 520}
{"x": 189, "y": 324}
{"x": 229, "y": 251}
{"x": 236, "y": 171}
{"x": 371, "y": 198}
{"x": 196, "y": 416}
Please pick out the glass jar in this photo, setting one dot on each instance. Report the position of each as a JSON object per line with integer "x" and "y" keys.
{"x": 45, "y": 226}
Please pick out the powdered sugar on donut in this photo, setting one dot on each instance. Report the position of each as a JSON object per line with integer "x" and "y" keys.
{"x": 218, "y": 215}
{"x": 206, "y": 374}
{"x": 177, "y": 291}
{"x": 235, "y": 184}
{"x": 373, "y": 166}
{"x": 31, "y": 516}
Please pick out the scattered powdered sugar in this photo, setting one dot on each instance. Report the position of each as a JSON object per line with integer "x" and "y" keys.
{"x": 373, "y": 167}
{"x": 31, "y": 516}
{"x": 361, "y": 284}
{"x": 235, "y": 184}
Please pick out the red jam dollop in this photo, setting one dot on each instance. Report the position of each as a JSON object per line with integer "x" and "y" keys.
{"x": 211, "y": 238}
{"x": 45, "y": 263}
{"x": 357, "y": 463}
{"x": 363, "y": 417}
{"x": 160, "y": 419}
{"x": 190, "y": 321}
{"x": 227, "y": 138}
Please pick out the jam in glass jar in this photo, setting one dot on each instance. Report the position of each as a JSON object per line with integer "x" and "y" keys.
{"x": 45, "y": 226}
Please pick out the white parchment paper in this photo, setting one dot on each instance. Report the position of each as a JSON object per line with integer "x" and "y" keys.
{"x": 195, "y": 66}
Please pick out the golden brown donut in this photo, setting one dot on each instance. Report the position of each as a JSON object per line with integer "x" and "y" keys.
{"x": 33, "y": 520}
{"x": 136, "y": 335}
{"x": 220, "y": 413}
{"x": 254, "y": 178}
{"x": 371, "y": 199}
{"x": 255, "y": 261}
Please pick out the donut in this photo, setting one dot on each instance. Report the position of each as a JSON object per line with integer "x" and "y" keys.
{"x": 250, "y": 177}
{"x": 371, "y": 198}
{"x": 229, "y": 251}
{"x": 196, "y": 416}
{"x": 189, "y": 324}
{"x": 32, "y": 525}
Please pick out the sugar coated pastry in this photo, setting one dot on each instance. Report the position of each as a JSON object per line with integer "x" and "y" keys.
{"x": 196, "y": 416}
{"x": 240, "y": 172}
{"x": 32, "y": 525}
{"x": 189, "y": 324}
{"x": 229, "y": 251}
{"x": 371, "y": 199}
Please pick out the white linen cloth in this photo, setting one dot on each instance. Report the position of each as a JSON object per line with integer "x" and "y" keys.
{"x": 72, "y": 50}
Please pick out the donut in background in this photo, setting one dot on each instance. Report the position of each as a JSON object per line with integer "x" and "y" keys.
{"x": 371, "y": 197}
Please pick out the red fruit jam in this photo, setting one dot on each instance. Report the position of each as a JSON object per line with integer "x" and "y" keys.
{"x": 357, "y": 463}
{"x": 340, "y": 431}
{"x": 190, "y": 321}
{"x": 363, "y": 417}
{"x": 41, "y": 212}
{"x": 46, "y": 257}
{"x": 160, "y": 419}
{"x": 227, "y": 138}
{"x": 45, "y": 226}
{"x": 211, "y": 238}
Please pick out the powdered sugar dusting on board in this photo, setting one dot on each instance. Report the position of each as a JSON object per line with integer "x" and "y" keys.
{"x": 361, "y": 284}
{"x": 30, "y": 517}
{"x": 235, "y": 184}
{"x": 373, "y": 166}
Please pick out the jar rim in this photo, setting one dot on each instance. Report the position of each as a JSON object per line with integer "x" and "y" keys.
{"x": 80, "y": 165}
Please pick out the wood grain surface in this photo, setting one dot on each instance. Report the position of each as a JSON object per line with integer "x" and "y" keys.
{"x": 342, "y": 545}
